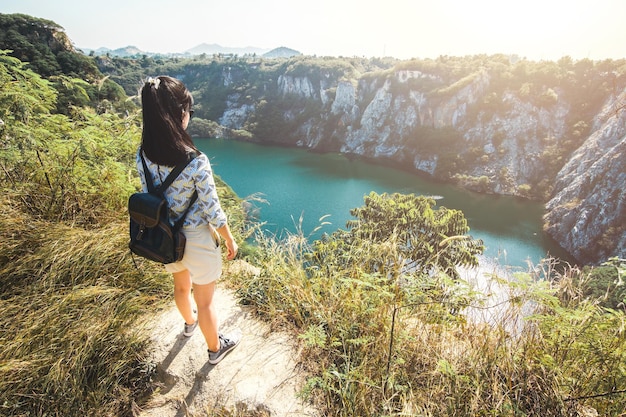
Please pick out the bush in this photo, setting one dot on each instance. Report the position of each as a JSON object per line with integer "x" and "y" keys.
{"x": 605, "y": 284}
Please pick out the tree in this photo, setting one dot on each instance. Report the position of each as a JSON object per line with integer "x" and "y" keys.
{"x": 407, "y": 234}
{"x": 22, "y": 92}
{"x": 61, "y": 167}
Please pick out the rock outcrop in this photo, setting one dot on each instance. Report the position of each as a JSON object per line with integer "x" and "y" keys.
{"x": 588, "y": 212}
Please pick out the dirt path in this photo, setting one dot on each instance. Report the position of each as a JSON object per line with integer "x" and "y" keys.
{"x": 260, "y": 375}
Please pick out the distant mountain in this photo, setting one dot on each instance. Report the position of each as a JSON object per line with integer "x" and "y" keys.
{"x": 203, "y": 48}
{"x": 281, "y": 52}
{"x": 123, "y": 52}
{"x": 210, "y": 49}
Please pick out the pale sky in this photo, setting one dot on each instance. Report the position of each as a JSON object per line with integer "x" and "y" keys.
{"x": 535, "y": 29}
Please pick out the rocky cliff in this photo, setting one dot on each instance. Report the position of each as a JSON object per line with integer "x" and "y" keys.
{"x": 548, "y": 131}
{"x": 588, "y": 211}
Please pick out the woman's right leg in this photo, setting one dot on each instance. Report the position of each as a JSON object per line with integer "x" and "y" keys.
{"x": 207, "y": 316}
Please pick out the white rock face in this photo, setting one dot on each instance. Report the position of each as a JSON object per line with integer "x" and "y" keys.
{"x": 588, "y": 213}
{"x": 426, "y": 165}
{"x": 520, "y": 148}
{"x": 300, "y": 86}
{"x": 235, "y": 114}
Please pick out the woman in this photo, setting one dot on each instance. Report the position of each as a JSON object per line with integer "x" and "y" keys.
{"x": 165, "y": 143}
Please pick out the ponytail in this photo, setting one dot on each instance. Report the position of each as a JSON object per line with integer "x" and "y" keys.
{"x": 163, "y": 139}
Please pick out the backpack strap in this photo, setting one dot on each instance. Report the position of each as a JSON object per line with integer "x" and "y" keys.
{"x": 146, "y": 173}
{"x": 175, "y": 173}
{"x": 168, "y": 181}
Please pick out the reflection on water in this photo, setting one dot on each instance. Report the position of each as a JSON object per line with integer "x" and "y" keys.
{"x": 300, "y": 184}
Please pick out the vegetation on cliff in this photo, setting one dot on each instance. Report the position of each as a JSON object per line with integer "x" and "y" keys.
{"x": 271, "y": 111}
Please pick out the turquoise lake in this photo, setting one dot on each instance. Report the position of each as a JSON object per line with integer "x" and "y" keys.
{"x": 299, "y": 184}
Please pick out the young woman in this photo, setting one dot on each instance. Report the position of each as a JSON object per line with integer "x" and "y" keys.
{"x": 166, "y": 105}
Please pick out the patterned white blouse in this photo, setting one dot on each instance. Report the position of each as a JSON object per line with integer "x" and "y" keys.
{"x": 197, "y": 175}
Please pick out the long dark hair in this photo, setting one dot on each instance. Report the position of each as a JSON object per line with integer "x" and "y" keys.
{"x": 164, "y": 140}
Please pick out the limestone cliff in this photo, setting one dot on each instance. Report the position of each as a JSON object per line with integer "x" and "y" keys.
{"x": 588, "y": 211}
{"x": 535, "y": 130}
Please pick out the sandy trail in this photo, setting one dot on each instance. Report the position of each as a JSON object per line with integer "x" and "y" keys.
{"x": 260, "y": 376}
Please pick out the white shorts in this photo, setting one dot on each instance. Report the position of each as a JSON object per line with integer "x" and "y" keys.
{"x": 203, "y": 257}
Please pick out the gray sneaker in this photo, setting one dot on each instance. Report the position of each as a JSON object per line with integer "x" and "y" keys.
{"x": 189, "y": 328}
{"x": 226, "y": 345}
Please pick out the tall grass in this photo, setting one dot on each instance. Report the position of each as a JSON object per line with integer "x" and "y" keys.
{"x": 549, "y": 352}
{"x": 71, "y": 300}
{"x": 71, "y": 312}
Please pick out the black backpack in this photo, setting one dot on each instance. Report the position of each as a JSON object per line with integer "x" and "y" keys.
{"x": 152, "y": 236}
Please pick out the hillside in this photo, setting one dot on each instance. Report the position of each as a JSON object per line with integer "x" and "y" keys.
{"x": 44, "y": 45}
{"x": 46, "y": 49}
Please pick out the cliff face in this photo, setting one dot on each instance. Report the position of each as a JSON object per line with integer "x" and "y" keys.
{"x": 559, "y": 140}
{"x": 588, "y": 210}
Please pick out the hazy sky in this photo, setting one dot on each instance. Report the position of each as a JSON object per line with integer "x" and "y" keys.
{"x": 535, "y": 29}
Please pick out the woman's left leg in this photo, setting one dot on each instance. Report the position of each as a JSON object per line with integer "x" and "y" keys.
{"x": 207, "y": 316}
{"x": 182, "y": 295}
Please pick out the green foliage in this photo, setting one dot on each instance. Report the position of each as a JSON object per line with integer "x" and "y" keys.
{"x": 428, "y": 240}
{"x": 341, "y": 292}
{"x": 524, "y": 190}
{"x": 317, "y": 68}
{"x": 605, "y": 283}
{"x": 22, "y": 92}
{"x": 381, "y": 338}
{"x": 72, "y": 93}
{"x": 61, "y": 168}
{"x": 69, "y": 295}
{"x": 47, "y": 51}
{"x": 44, "y": 45}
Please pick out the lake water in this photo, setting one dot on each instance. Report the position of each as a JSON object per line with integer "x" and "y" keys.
{"x": 297, "y": 183}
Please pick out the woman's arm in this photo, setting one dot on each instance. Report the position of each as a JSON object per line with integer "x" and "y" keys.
{"x": 231, "y": 245}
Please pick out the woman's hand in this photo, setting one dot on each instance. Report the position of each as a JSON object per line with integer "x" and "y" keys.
{"x": 232, "y": 249}
{"x": 231, "y": 245}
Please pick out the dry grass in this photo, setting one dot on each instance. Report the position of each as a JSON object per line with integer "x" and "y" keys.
{"x": 71, "y": 309}
{"x": 440, "y": 362}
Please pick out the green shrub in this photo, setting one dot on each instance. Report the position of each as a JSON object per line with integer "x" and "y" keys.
{"x": 604, "y": 283}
